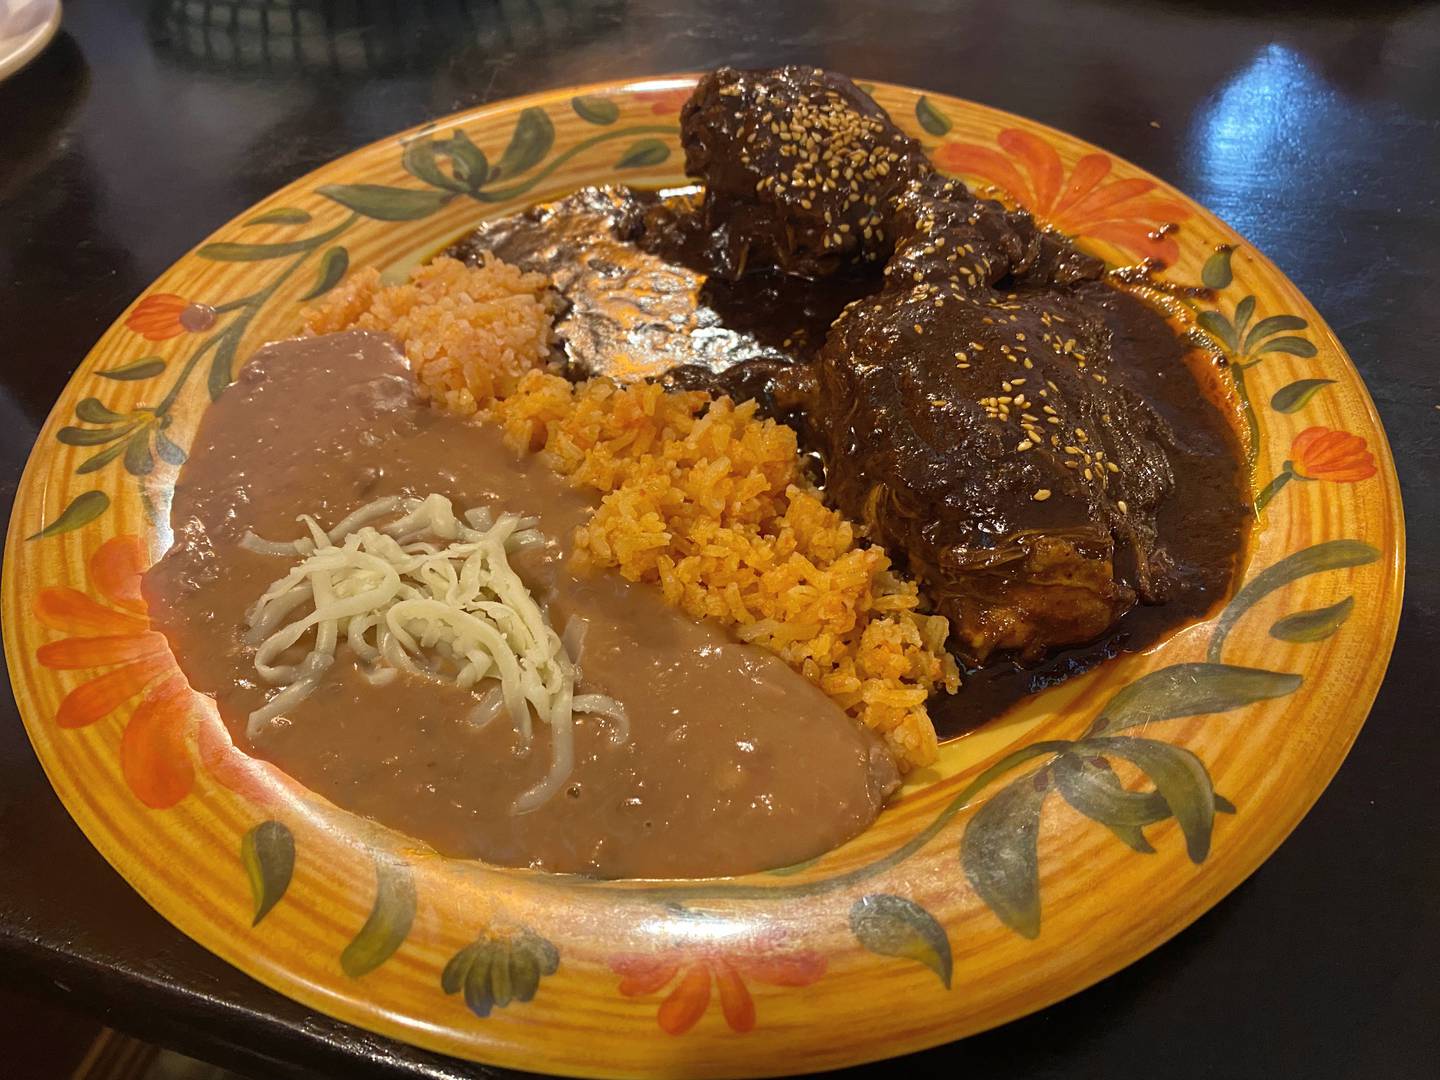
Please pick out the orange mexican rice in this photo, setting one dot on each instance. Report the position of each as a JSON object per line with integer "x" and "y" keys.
{"x": 469, "y": 333}
{"x": 698, "y": 495}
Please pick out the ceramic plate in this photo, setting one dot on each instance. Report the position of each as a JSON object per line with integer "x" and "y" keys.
{"x": 26, "y": 27}
{"x": 1042, "y": 853}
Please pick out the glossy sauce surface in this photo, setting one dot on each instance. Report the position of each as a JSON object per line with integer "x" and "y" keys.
{"x": 733, "y": 762}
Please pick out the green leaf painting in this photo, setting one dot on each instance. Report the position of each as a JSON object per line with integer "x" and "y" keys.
{"x": 1293, "y": 396}
{"x": 1275, "y": 324}
{"x": 469, "y": 168}
{"x": 1192, "y": 689}
{"x": 147, "y": 367}
{"x": 930, "y": 118}
{"x": 390, "y": 919}
{"x": 384, "y": 203}
{"x": 281, "y": 215}
{"x": 1295, "y": 346}
{"x": 467, "y": 161}
{"x": 222, "y": 363}
{"x": 419, "y": 160}
{"x": 268, "y": 854}
{"x": 167, "y": 450}
{"x": 1218, "y": 326}
{"x": 1000, "y": 852}
{"x": 1317, "y": 625}
{"x": 895, "y": 926}
{"x": 231, "y": 252}
{"x": 1244, "y": 311}
{"x": 1331, "y": 555}
{"x": 596, "y": 109}
{"x": 82, "y": 510}
{"x": 92, "y": 411}
{"x": 1231, "y": 332}
{"x": 1216, "y": 272}
{"x": 1089, "y": 784}
{"x": 100, "y": 460}
{"x": 333, "y": 265}
{"x": 533, "y": 136}
{"x": 1180, "y": 778}
{"x": 76, "y": 436}
{"x": 495, "y": 970}
{"x": 138, "y": 459}
{"x": 642, "y": 154}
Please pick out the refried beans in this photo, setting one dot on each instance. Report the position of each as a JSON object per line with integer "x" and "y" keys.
{"x": 734, "y": 762}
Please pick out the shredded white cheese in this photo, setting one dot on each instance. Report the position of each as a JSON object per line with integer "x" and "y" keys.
{"x": 433, "y": 595}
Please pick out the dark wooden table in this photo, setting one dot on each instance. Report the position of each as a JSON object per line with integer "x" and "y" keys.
{"x": 1313, "y": 128}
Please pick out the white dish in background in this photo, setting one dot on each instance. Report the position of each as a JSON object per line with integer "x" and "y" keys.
{"x": 26, "y": 27}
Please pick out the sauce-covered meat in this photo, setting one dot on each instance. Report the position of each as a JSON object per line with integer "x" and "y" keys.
{"x": 978, "y": 413}
{"x": 989, "y": 433}
{"x": 733, "y": 762}
{"x": 799, "y": 167}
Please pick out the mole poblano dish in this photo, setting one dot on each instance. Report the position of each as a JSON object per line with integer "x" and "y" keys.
{"x": 659, "y": 534}
{"x": 607, "y": 581}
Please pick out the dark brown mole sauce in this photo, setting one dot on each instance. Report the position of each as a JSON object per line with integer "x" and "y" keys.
{"x": 1203, "y": 524}
{"x": 650, "y": 243}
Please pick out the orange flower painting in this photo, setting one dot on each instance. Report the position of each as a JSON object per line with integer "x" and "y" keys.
{"x": 155, "y": 754}
{"x": 1321, "y": 453}
{"x": 157, "y": 317}
{"x": 698, "y": 975}
{"x": 161, "y": 316}
{"x": 665, "y": 102}
{"x": 1087, "y": 204}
